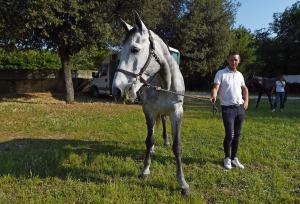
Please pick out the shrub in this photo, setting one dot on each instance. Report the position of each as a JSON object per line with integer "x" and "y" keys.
{"x": 28, "y": 59}
{"x": 34, "y": 59}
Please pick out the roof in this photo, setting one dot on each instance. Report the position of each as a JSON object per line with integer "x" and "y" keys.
{"x": 173, "y": 49}
{"x": 292, "y": 78}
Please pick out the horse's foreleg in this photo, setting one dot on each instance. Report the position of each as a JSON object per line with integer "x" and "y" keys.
{"x": 258, "y": 99}
{"x": 149, "y": 144}
{"x": 165, "y": 135}
{"x": 270, "y": 99}
{"x": 176, "y": 119}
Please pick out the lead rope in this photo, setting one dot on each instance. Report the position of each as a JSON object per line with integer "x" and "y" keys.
{"x": 214, "y": 107}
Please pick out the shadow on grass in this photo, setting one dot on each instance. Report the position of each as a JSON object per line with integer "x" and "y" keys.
{"x": 78, "y": 159}
{"x": 60, "y": 158}
{"x": 52, "y": 158}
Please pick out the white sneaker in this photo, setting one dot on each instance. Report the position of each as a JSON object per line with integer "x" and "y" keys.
{"x": 273, "y": 110}
{"x": 227, "y": 163}
{"x": 235, "y": 162}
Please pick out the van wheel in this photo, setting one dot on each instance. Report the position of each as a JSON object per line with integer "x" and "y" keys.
{"x": 94, "y": 92}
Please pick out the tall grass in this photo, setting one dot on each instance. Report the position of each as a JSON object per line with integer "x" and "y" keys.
{"x": 93, "y": 153}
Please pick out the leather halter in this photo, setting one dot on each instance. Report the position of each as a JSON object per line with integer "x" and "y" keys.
{"x": 138, "y": 76}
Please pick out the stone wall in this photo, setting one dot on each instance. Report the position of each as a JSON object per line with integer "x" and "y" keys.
{"x": 22, "y": 81}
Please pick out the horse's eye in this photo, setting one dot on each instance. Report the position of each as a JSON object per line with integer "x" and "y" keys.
{"x": 135, "y": 49}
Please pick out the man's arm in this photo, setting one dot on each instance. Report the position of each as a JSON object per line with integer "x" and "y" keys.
{"x": 214, "y": 92}
{"x": 245, "y": 94}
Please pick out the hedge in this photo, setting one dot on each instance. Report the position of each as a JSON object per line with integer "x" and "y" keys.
{"x": 34, "y": 59}
{"x": 29, "y": 59}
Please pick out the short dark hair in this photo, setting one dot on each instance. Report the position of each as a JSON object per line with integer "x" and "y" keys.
{"x": 233, "y": 52}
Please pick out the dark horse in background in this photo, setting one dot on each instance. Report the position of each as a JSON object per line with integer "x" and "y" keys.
{"x": 263, "y": 86}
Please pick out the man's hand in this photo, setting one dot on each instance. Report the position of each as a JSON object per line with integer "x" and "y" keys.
{"x": 246, "y": 105}
{"x": 213, "y": 99}
{"x": 213, "y": 94}
{"x": 245, "y": 94}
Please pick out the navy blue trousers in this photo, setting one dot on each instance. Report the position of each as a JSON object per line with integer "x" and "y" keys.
{"x": 279, "y": 99}
{"x": 233, "y": 117}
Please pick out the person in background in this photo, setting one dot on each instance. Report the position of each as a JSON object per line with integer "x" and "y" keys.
{"x": 230, "y": 83}
{"x": 280, "y": 93}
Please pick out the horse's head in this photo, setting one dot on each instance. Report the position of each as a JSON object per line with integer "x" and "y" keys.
{"x": 139, "y": 61}
{"x": 254, "y": 81}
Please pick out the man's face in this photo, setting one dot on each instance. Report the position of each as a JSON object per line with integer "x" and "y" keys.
{"x": 233, "y": 61}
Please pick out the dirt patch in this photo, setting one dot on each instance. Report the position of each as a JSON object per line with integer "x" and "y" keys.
{"x": 40, "y": 97}
{"x": 50, "y": 98}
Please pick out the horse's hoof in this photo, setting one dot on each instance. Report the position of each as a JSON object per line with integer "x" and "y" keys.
{"x": 185, "y": 191}
{"x": 167, "y": 143}
{"x": 143, "y": 176}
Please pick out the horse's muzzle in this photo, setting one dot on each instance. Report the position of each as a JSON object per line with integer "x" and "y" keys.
{"x": 130, "y": 94}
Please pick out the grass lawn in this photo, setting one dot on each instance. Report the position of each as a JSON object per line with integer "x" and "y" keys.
{"x": 93, "y": 152}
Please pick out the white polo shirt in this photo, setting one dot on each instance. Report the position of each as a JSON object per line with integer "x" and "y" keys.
{"x": 230, "y": 86}
{"x": 280, "y": 86}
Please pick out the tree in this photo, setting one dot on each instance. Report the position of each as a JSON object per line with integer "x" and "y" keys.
{"x": 65, "y": 26}
{"x": 267, "y": 54}
{"x": 244, "y": 42}
{"x": 205, "y": 35}
{"x": 169, "y": 26}
{"x": 89, "y": 58}
{"x": 278, "y": 47}
{"x": 11, "y": 24}
{"x": 287, "y": 27}
{"x": 160, "y": 16}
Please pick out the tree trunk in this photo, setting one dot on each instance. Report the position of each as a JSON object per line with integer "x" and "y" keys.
{"x": 69, "y": 89}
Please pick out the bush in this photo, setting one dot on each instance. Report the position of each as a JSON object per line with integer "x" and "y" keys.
{"x": 34, "y": 60}
{"x": 29, "y": 59}
{"x": 90, "y": 58}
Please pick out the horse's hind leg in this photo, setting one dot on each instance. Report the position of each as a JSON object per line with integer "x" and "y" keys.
{"x": 270, "y": 99}
{"x": 149, "y": 145}
{"x": 258, "y": 99}
{"x": 165, "y": 135}
{"x": 176, "y": 119}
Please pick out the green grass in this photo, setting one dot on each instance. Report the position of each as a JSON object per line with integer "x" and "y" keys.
{"x": 93, "y": 153}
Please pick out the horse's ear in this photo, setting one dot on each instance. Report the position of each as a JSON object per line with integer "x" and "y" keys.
{"x": 139, "y": 22}
{"x": 125, "y": 25}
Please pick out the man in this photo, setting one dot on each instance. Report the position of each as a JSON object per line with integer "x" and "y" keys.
{"x": 280, "y": 93}
{"x": 234, "y": 101}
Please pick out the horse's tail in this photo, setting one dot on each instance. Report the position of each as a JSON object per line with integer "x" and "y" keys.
{"x": 284, "y": 98}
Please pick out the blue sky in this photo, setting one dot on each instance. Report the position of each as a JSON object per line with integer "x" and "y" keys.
{"x": 257, "y": 14}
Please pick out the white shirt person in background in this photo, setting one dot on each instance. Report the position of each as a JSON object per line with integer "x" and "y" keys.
{"x": 234, "y": 101}
{"x": 280, "y": 93}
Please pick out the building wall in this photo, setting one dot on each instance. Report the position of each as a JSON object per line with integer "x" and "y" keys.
{"x": 22, "y": 81}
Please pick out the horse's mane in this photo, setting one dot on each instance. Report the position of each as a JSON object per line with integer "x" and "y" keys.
{"x": 165, "y": 49}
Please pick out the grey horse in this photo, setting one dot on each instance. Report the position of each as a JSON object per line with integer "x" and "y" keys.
{"x": 146, "y": 61}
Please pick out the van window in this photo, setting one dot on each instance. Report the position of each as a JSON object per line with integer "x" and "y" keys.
{"x": 104, "y": 69}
